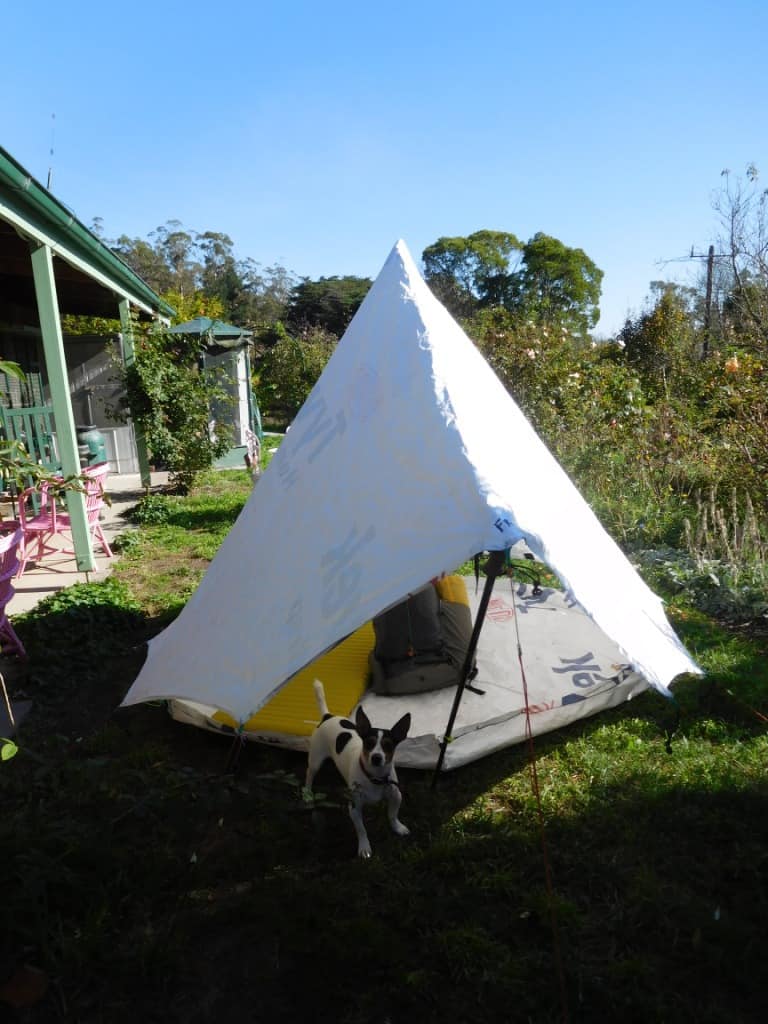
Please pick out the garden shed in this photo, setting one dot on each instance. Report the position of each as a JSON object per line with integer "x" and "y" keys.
{"x": 227, "y": 348}
{"x": 51, "y": 264}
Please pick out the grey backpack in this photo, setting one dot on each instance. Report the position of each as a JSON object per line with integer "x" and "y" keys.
{"x": 420, "y": 645}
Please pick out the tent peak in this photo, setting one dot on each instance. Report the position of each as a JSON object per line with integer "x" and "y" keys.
{"x": 402, "y": 253}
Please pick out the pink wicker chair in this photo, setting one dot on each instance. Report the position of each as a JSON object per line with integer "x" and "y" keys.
{"x": 40, "y": 529}
{"x": 9, "y": 561}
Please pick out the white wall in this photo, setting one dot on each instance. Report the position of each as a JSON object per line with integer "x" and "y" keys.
{"x": 120, "y": 443}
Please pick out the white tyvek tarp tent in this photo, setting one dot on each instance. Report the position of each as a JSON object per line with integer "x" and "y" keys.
{"x": 408, "y": 457}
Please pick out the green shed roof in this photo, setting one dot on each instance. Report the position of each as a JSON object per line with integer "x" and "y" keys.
{"x": 220, "y": 334}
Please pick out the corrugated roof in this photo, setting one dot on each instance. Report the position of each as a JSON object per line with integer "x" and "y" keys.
{"x": 216, "y": 328}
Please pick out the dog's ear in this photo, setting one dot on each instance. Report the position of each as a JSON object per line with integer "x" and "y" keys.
{"x": 399, "y": 730}
{"x": 362, "y": 722}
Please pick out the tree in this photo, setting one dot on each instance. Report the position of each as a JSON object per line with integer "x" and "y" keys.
{"x": 661, "y": 343}
{"x": 473, "y": 272}
{"x": 290, "y": 369}
{"x": 180, "y": 253}
{"x": 265, "y": 295}
{"x": 148, "y": 262}
{"x": 220, "y": 276}
{"x": 328, "y": 303}
{"x": 541, "y": 280}
{"x": 557, "y": 285}
{"x": 188, "y": 307}
{"x": 187, "y": 267}
{"x": 743, "y": 209}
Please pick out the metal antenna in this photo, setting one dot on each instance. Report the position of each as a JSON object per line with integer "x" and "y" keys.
{"x": 50, "y": 154}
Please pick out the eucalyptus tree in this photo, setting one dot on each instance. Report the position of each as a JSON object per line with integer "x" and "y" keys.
{"x": 167, "y": 260}
{"x": 266, "y": 292}
{"x": 200, "y": 270}
{"x": 220, "y": 275}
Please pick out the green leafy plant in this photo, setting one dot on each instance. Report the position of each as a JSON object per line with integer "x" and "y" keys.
{"x": 170, "y": 397}
{"x": 290, "y": 369}
{"x": 129, "y": 540}
{"x": 8, "y": 749}
{"x": 152, "y": 509}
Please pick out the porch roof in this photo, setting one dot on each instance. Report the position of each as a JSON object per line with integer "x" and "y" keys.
{"x": 90, "y": 279}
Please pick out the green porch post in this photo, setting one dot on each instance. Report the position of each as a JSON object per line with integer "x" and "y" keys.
{"x": 56, "y": 366}
{"x": 129, "y": 358}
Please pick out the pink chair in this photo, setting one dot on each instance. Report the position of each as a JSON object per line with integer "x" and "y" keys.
{"x": 9, "y": 561}
{"x": 42, "y": 527}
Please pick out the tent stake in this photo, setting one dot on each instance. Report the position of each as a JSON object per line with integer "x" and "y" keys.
{"x": 492, "y": 567}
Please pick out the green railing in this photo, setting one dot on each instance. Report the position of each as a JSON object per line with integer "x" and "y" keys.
{"x": 33, "y": 427}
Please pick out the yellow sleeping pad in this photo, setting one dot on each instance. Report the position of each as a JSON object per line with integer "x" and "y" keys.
{"x": 344, "y": 673}
{"x": 293, "y": 710}
{"x": 452, "y": 588}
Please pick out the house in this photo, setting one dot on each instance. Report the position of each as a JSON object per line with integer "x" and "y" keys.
{"x": 50, "y": 265}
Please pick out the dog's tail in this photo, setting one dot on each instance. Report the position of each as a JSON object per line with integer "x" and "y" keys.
{"x": 320, "y": 695}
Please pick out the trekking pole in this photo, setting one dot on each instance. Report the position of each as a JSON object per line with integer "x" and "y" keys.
{"x": 492, "y": 567}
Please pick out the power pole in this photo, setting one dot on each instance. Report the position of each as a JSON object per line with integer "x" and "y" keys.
{"x": 710, "y": 257}
{"x": 708, "y": 301}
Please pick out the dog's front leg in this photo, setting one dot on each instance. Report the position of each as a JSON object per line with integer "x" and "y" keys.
{"x": 356, "y": 814}
{"x": 394, "y": 799}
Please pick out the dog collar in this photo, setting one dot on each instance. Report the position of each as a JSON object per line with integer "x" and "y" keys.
{"x": 387, "y": 781}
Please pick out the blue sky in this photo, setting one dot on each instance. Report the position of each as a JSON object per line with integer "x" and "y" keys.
{"x": 317, "y": 134}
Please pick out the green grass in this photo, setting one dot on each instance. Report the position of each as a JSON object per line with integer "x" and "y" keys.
{"x": 148, "y": 883}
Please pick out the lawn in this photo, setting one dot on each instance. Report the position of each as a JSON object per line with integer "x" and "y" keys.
{"x": 616, "y": 871}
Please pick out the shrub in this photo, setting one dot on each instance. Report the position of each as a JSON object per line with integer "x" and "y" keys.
{"x": 170, "y": 398}
{"x": 289, "y": 370}
{"x": 152, "y": 509}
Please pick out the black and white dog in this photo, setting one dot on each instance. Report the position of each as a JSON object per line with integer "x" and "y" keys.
{"x": 363, "y": 756}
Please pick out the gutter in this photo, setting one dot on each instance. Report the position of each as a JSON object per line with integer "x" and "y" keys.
{"x": 35, "y": 212}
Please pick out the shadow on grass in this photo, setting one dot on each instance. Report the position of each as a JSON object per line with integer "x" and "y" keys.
{"x": 148, "y": 886}
{"x": 85, "y": 645}
{"x": 147, "y": 882}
